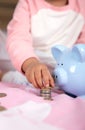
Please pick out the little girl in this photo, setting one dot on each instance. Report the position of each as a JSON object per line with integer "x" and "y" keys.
{"x": 37, "y": 26}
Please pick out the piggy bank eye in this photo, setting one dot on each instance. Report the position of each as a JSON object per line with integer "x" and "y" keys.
{"x": 60, "y": 64}
{"x": 56, "y": 76}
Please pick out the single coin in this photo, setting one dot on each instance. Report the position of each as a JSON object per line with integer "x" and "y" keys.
{"x": 3, "y": 95}
{"x": 50, "y": 99}
{"x": 2, "y": 108}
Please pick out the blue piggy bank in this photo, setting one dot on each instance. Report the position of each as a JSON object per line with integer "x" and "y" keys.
{"x": 69, "y": 72}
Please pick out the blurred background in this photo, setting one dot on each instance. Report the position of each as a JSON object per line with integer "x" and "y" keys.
{"x": 6, "y": 11}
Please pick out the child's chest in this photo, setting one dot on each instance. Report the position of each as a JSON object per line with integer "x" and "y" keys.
{"x": 50, "y": 26}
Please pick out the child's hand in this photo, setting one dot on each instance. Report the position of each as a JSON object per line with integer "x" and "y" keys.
{"x": 39, "y": 75}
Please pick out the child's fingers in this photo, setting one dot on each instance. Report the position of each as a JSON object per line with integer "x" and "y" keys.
{"x": 52, "y": 82}
{"x": 47, "y": 78}
{"x": 38, "y": 77}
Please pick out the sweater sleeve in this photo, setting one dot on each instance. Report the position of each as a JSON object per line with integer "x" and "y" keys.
{"x": 19, "y": 39}
{"x": 81, "y": 6}
{"x": 81, "y": 38}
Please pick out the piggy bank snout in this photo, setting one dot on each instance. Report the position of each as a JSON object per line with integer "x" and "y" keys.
{"x": 60, "y": 76}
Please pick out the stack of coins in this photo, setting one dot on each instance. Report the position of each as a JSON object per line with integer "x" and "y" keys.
{"x": 46, "y": 93}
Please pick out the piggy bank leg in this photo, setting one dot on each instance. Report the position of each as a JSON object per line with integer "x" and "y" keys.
{"x": 71, "y": 95}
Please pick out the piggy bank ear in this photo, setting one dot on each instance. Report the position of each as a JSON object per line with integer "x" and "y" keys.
{"x": 79, "y": 52}
{"x": 57, "y": 51}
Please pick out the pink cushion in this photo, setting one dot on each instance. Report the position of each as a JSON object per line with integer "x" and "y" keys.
{"x": 15, "y": 95}
{"x": 63, "y": 112}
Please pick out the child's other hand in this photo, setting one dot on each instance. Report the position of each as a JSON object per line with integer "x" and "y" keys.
{"x": 39, "y": 75}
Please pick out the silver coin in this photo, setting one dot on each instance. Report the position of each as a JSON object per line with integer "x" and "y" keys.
{"x": 2, "y": 108}
{"x": 45, "y": 92}
{"x": 3, "y": 95}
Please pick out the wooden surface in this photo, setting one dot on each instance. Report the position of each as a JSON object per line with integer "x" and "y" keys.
{"x": 6, "y": 10}
{"x": 8, "y": 1}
